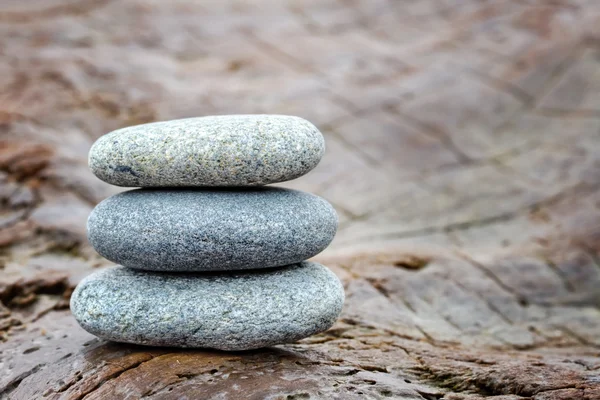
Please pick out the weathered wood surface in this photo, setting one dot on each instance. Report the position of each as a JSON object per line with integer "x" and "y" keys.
{"x": 463, "y": 157}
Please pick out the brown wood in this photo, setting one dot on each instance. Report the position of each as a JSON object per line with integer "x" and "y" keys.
{"x": 463, "y": 158}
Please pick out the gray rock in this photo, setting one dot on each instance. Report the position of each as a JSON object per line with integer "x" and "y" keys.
{"x": 227, "y": 311}
{"x": 227, "y": 150}
{"x": 211, "y": 229}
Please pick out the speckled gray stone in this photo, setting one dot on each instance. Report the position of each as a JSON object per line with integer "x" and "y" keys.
{"x": 211, "y": 229}
{"x": 227, "y": 150}
{"x": 235, "y": 311}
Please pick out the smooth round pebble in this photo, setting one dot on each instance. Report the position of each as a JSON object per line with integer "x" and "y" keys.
{"x": 227, "y": 311}
{"x": 211, "y": 230}
{"x": 226, "y": 150}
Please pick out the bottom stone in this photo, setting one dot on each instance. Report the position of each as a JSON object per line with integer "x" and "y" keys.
{"x": 226, "y": 311}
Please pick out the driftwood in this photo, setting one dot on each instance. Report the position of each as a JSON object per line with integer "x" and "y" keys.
{"x": 463, "y": 158}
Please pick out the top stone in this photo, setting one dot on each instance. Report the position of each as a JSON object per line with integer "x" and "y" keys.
{"x": 227, "y": 150}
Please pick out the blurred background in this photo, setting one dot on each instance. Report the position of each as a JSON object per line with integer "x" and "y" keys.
{"x": 462, "y": 123}
{"x": 463, "y": 158}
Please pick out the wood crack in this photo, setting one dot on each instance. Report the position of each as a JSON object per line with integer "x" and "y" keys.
{"x": 15, "y": 382}
{"x": 491, "y": 275}
{"x": 577, "y": 189}
{"x": 112, "y": 377}
{"x": 485, "y": 300}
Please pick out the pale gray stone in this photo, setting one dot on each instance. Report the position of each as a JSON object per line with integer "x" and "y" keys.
{"x": 211, "y": 229}
{"x": 227, "y": 150}
{"x": 227, "y": 311}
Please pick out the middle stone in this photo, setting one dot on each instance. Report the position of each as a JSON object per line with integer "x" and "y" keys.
{"x": 211, "y": 230}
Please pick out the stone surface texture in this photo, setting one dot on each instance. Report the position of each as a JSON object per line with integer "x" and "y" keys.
{"x": 237, "y": 311}
{"x": 211, "y": 230}
{"x": 462, "y": 157}
{"x": 230, "y": 150}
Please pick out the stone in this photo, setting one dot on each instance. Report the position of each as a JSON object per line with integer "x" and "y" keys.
{"x": 211, "y": 229}
{"x": 228, "y": 150}
{"x": 226, "y": 311}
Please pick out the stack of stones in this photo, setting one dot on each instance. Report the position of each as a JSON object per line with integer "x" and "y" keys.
{"x": 209, "y": 256}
